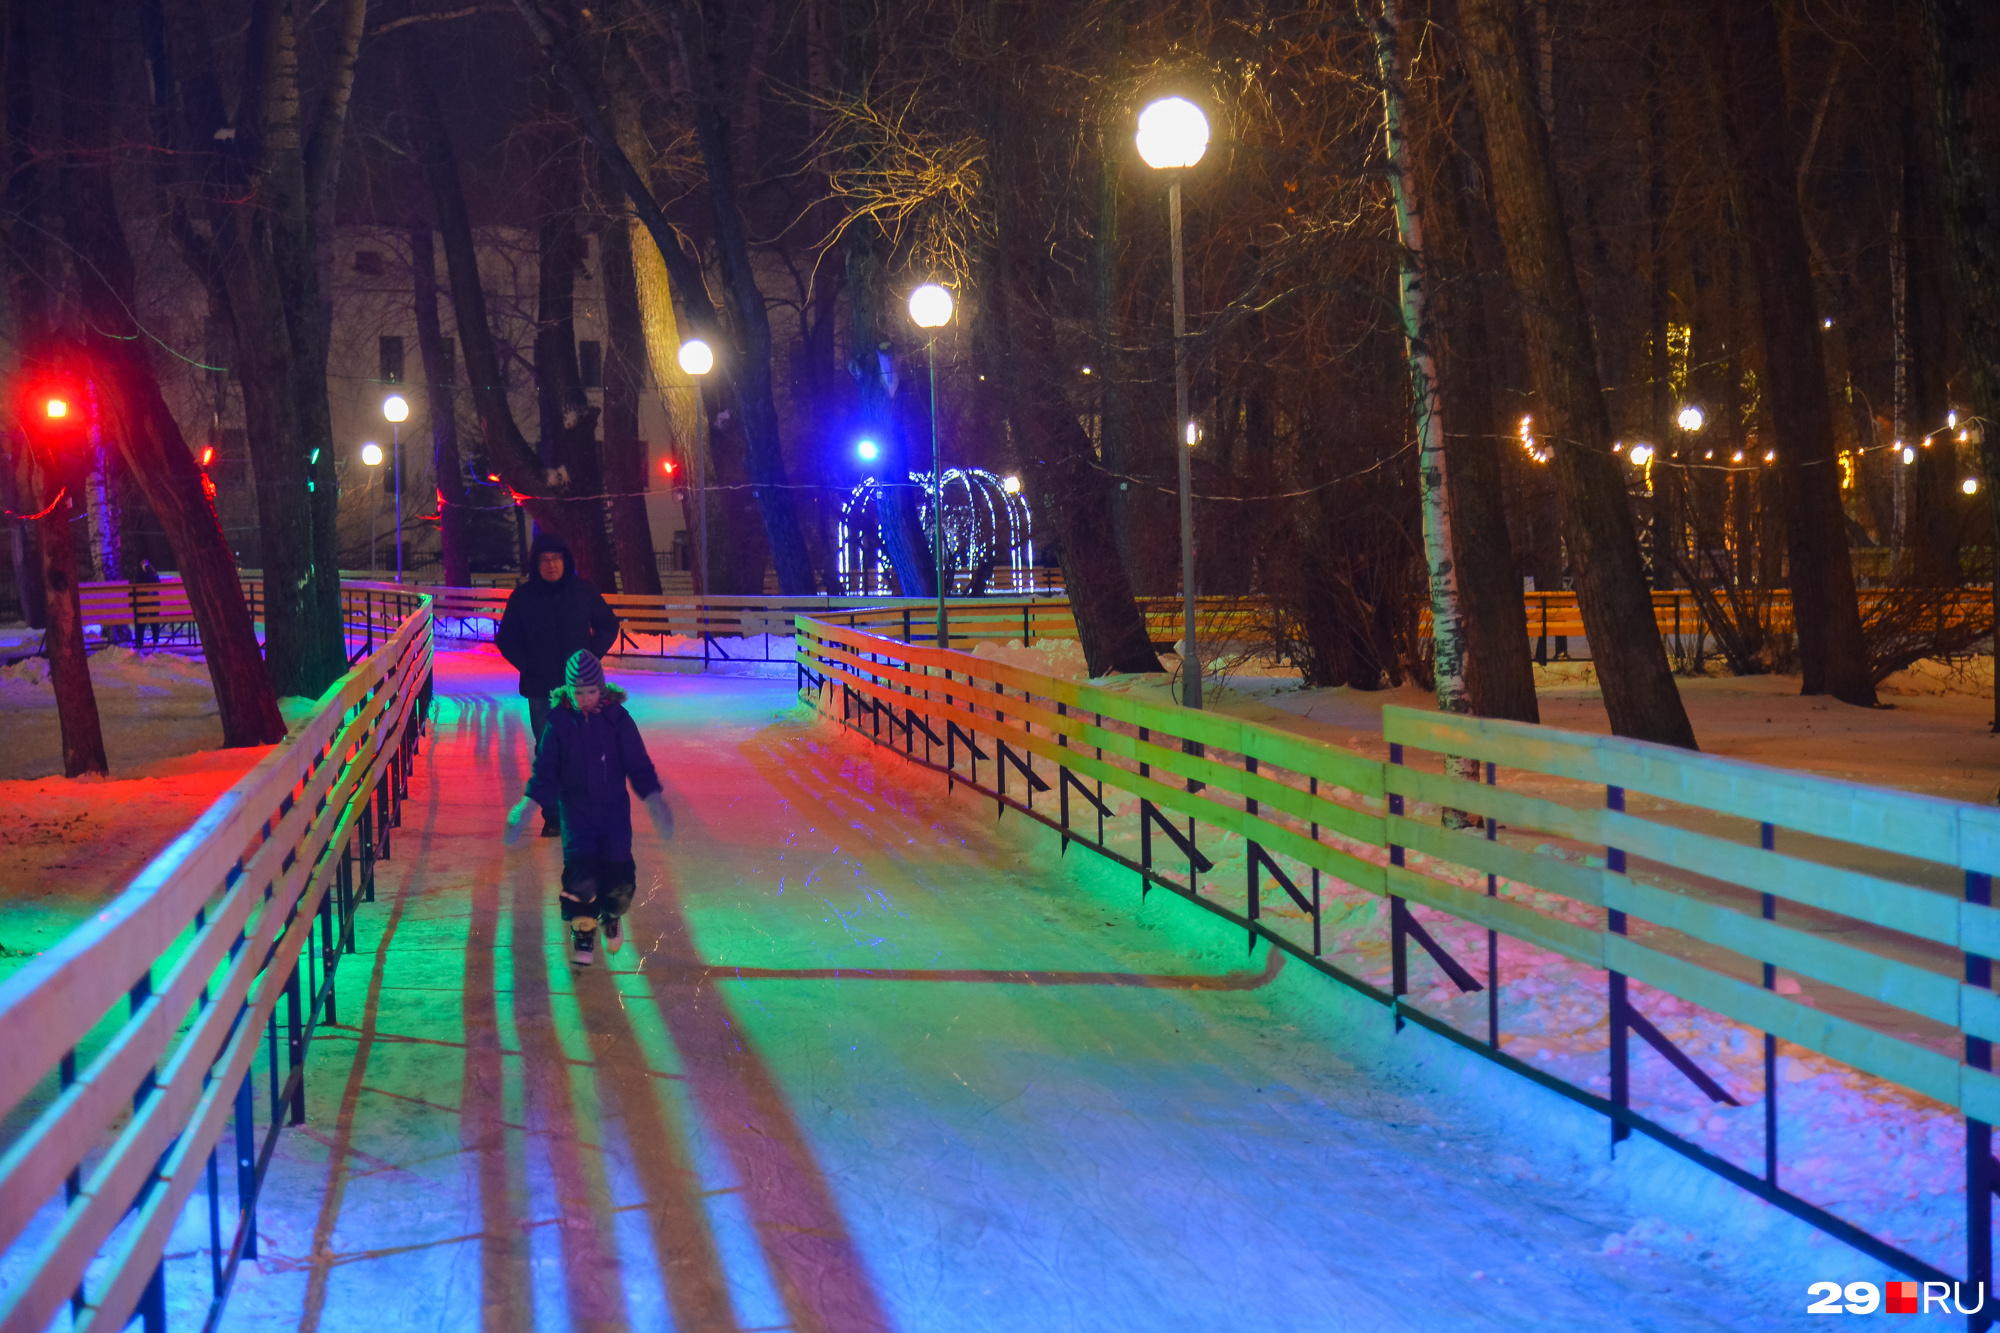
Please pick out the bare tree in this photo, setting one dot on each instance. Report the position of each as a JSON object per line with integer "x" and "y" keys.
{"x": 1639, "y": 693}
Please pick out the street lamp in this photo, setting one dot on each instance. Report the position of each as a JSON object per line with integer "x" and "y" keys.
{"x": 1173, "y": 135}
{"x": 697, "y": 359}
{"x": 371, "y": 454}
{"x": 930, "y": 307}
{"x": 397, "y": 410}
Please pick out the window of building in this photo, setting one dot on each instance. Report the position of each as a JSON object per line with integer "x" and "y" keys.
{"x": 392, "y": 360}
{"x": 368, "y": 263}
{"x": 590, "y": 362}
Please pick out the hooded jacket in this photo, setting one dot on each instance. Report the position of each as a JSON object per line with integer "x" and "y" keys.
{"x": 545, "y": 622}
{"x": 581, "y": 768}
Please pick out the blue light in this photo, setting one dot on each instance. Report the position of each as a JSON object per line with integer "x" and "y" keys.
{"x": 867, "y": 450}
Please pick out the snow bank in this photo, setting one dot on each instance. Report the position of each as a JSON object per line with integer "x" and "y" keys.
{"x": 151, "y": 705}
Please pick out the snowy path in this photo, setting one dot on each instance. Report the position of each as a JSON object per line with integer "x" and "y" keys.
{"x": 875, "y": 1061}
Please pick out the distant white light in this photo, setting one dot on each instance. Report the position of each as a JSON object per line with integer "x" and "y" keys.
{"x": 868, "y": 450}
{"x": 1691, "y": 418}
{"x": 396, "y": 408}
{"x": 1193, "y": 435}
{"x": 1826, "y": 323}
{"x": 930, "y": 306}
{"x": 1770, "y": 455}
{"x": 1173, "y": 132}
{"x": 1011, "y": 485}
{"x": 1970, "y": 485}
{"x": 1737, "y": 457}
{"x": 1641, "y": 455}
{"x": 1909, "y": 455}
{"x": 371, "y": 454}
{"x": 695, "y": 357}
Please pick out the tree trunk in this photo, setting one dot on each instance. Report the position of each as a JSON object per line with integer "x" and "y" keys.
{"x": 1934, "y": 531}
{"x": 150, "y": 440}
{"x": 1420, "y": 338}
{"x": 261, "y": 269}
{"x": 25, "y": 540}
{"x": 69, "y": 666}
{"x": 625, "y": 474}
{"x": 898, "y": 511}
{"x": 1026, "y": 378}
{"x": 1954, "y": 58}
{"x": 1500, "y": 674}
{"x": 567, "y": 420}
{"x": 508, "y": 453}
{"x": 1639, "y": 693}
{"x": 699, "y": 26}
{"x": 454, "y": 496}
{"x": 1798, "y": 406}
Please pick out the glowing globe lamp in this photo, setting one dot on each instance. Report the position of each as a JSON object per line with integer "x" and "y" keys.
{"x": 371, "y": 454}
{"x": 930, "y": 306}
{"x": 1173, "y": 132}
{"x": 396, "y": 408}
{"x": 695, "y": 357}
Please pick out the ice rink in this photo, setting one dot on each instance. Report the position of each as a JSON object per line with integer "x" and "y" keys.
{"x": 874, "y": 1060}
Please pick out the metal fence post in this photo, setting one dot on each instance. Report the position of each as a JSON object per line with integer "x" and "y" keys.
{"x": 1614, "y": 799}
{"x": 1979, "y": 1164}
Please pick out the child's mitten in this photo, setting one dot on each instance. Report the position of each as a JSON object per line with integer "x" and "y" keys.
{"x": 517, "y": 821}
{"x": 662, "y": 815}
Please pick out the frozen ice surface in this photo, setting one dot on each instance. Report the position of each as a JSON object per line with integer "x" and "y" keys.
{"x": 875, "y": 1060}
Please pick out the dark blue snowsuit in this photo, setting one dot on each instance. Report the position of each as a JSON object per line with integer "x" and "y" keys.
{"x": 581, "y": 769}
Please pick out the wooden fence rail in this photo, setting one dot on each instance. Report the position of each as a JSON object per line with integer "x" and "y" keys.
{"x": 132, "y": 1040}
{"x": 1732, "y": 873}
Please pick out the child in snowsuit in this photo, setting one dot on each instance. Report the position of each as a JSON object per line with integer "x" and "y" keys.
{"x": 588, "y": 752}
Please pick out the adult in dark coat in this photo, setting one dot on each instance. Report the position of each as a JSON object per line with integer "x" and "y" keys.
{"x": 553, "y": 614}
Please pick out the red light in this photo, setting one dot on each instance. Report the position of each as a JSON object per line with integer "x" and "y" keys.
{"x": 208, "y": 455}
{"x": 667, "y": 466}
{"x": 56, "y": 408}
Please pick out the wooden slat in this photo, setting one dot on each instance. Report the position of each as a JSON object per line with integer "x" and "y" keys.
{"x": 1903, "y": 823}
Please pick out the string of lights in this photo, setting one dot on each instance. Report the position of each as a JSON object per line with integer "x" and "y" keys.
{"x": 43, "y": 513}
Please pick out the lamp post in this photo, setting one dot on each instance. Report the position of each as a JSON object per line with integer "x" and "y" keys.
{"x": 697, "y": 359}
{"x": 397, "y": 409}
{"x": 371, "y": 455}
{"x": 930, "y": 308}
{"x": 1173, "y": 136}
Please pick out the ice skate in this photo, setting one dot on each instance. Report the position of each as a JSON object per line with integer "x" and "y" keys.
{"x": 583, "y": 942}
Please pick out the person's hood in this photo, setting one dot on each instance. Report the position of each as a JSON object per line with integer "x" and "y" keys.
{"x": 549, "y": 541}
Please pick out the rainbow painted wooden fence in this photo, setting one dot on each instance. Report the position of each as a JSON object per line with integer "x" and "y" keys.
{"x": 1703, "y": 877}
{"x": 128, "y": 1047}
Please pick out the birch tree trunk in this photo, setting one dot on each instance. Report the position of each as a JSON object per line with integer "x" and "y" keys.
{"x": 1610, "y": 576}
{"x": 1447, "y": 623}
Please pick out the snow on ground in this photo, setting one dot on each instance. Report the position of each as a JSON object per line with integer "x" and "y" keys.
{"x": 875, "y": 1060}
{"x": 66, "y": 847}
{"x": 151, "y": 705}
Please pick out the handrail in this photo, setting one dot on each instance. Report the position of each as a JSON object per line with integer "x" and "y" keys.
{"x": 1698, "y": 917}
{"x": 255, "y": 901}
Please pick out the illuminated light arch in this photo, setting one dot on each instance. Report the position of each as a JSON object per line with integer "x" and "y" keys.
{"x": 982, "y": 520}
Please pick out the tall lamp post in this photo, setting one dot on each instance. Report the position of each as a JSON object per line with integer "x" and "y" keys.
{"x": 397, "y": 409}
{"x": 1173, "y": 136}
{"x": 371, "y": 455}
{"x": 930, "y": 308}
{"x": 696, "y": 358}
